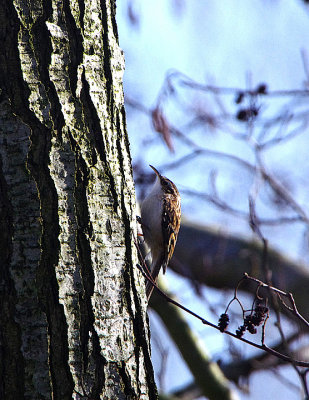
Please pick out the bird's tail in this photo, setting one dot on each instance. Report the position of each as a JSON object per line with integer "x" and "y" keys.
{"x": 155, "y": 269}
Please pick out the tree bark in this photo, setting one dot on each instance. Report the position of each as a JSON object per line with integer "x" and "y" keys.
{"x": 72, "y": 321}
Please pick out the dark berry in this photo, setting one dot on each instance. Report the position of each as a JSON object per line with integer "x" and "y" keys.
{"x": 262, "y": 89}
{"x": 239, "y": 98}
{"x": 223, "y": 322}
{"x": 240, "y": 331}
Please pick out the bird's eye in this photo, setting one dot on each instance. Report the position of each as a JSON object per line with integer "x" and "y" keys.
{"x": 168, "y": 186}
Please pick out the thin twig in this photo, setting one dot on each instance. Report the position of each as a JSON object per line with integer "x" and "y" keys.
{"x": 205, "y": 322}
{"x": 280, "y": 293}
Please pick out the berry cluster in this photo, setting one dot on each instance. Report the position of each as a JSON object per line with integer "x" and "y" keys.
{"x": 240, "y": 331}
{"x": 253, "y": 320}
{"x": 260, "y": 313}
{"x": 223, "y": 322}
{"x": 249, "y": 113}
{"x": 245, "y": 114}
{"x": 261, "y": 89}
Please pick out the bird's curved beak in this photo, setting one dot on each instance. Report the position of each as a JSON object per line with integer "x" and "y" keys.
{"x": 156, "y": 171}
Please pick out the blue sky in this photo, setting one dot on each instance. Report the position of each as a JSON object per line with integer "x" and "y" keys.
{"x": 222, "y": 43}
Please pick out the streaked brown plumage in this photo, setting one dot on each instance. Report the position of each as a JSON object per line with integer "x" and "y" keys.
{"x": 161, "y": 214}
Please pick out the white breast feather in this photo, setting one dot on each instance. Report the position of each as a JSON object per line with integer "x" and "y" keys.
{"x": 152, "y": 217}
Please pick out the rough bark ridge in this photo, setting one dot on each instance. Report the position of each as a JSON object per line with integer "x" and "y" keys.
{"x": 72, "y": 321}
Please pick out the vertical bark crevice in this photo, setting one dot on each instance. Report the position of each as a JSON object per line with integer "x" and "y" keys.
{"x": 141, "y": 334}
{"x": 11, "y": 359}
{"x": 84, "y": 255}
{"x": 11, "y": 80}
{"x": 41, "y": 49}
{"x": 93, "y": 360}
{"x": 94, "y": 125}
{"x": 100, "y": 381}
{"x": 81, "y": 6}
{"x": 38, "y": 161}
{"x": 107, "y": 67}
{"x": 128, "y": 389}
{"x": 96, "y": 133}
{"x": 40, "y": 42}
{"x": 75, "y": 46}
{"x": 120, "y": 121}
{"x": 113, "y": 12}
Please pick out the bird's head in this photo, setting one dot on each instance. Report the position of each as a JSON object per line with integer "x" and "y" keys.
{"x": 167, "y": 185}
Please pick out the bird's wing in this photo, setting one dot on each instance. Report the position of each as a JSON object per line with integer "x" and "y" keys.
{"x": 170, "y": 227}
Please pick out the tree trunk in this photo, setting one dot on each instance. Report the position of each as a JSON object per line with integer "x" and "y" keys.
{"x": 72, "y": 322}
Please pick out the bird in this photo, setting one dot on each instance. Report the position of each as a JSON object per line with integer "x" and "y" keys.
{"x": 160, "y": 221}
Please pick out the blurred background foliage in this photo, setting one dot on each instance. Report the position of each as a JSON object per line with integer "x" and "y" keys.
{"x": 217, "y": 99}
